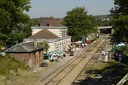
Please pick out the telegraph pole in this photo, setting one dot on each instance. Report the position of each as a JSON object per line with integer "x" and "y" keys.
{"x": 106, "y": 52}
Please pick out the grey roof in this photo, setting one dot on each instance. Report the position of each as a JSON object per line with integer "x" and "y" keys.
{"x": 50, "y": 27}
{"x": 24, "y": 47}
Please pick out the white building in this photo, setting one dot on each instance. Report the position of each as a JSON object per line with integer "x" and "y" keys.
{"x": 56, "y": 37}
{"x": 59, "y": 31}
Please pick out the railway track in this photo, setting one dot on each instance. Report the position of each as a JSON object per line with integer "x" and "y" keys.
{"x": 112, "y": 76}
{"x": 72, "y": 70}
{"x": 109, "y": 77}
{"x": 84, "y": 74}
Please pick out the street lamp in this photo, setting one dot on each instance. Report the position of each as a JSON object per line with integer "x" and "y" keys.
{"x": 106, "y": 52}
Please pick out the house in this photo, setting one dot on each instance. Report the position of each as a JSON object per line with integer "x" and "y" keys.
{"x": 55, "y": 42}
{"x": 30, "y": 53}
{"x": 59, "y": 31}
{"x": 52, "y": 31}
{"x": 53, "y": 25}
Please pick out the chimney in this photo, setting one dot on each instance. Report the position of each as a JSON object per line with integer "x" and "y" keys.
{"x": 35, "y": 43}
{"x": 50, "y": 21}
{"x": 58, "y": 22}
{"x": 42, "y": 21}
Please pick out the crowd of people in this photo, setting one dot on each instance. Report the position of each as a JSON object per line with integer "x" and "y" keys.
{"x": 56, "y": 57}
{"x": 74, "y": 47}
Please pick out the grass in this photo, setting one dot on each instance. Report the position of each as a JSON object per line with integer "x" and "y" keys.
{"x": 103, "y": 65}
{"x": 100, "y": 68}
{"x": 16, "y": 72}
{"x": 12, "y": 71}
{"x": 8, "y": 63}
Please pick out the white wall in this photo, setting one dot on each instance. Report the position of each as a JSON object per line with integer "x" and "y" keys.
{"x": 59, "y": 31}
{"x": 56, "y": 31}
{"x": 55, "y": 44}
{"x": 52, "y": 47}
{"x": 34, "y": 31}
{"x": 60, "y": 44}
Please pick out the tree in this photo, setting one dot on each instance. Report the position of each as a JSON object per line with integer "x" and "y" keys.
{"x": 120, "y": 15}
{"x": 18, "y": 34}
{"x": 104, "y": 20}
{"x": 11, "y": 14}
{"x": 33, "y": 22}
{"x": 78, "y": 22}
{"x": 45, "y": 45}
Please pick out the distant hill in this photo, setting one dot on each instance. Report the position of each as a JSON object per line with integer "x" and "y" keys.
{"x": 104, "y": 20}
{"x": 103, "y": 17}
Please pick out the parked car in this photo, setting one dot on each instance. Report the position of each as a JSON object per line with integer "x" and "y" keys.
{"x": 44, "y": 64}
{"x": 45, "y": 56}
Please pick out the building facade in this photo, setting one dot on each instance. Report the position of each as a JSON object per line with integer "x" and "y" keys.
{"x": 30, "y": 53}
{"x": 52, "y": 31}
{"x": 55, "y": 42}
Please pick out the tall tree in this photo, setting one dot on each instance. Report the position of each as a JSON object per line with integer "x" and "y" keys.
{"x": 78, "y": 22}
{"x": 45, "y": 45}
{"x": 120, "y": 14}
{"x": 12, "y": 13}
{"x": 33, "y": 22}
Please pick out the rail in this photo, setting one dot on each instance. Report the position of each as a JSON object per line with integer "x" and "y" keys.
{"x": 123, "y": 80}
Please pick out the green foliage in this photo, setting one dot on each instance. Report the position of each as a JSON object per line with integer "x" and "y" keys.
{"x": 2, "y": 38}
{"x": 45, "y": 45}
{"x": 120, "y": 14}
{"x": 125, "y": 50}
{"x": 78, "y": 22}
{"x": 33, "y": 22}
{"x": 104, "y": 20}
{"x": 11, "y": 14}
{"x": 8, "y": 63}
{"x": 16, "y": 37}
{"x": 27, "y": 30}
{"x": 121, "y": 29}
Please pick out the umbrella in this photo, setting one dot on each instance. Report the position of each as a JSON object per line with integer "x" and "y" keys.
{"x": 56, "y": 52}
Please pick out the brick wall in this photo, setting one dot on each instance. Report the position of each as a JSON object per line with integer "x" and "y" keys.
{"x": 42, "y": 21}
{"x": 50, "y": 21}
{"x": 31, "y": 59}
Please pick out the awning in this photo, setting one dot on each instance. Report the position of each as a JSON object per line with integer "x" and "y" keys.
{"x": 116, "y": 48}
{"x": 56, "y": 52}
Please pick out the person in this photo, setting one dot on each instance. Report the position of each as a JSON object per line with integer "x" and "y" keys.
{"x": 64, "y": 55}
{"x": 82, "y": 45}
{"x": 103, "y": 53}
{"x": 78, "y": 49}
{"x": 49, "y": 55}
{"x": 120, "y": 58}
{"x": 116, "y": 55}
{"x": 52, "y": 57}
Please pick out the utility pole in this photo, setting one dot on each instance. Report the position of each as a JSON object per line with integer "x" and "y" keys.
{"x": 106, "y": 52}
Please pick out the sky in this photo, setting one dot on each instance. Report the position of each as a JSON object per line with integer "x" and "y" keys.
{"x": 59, "y": 8}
